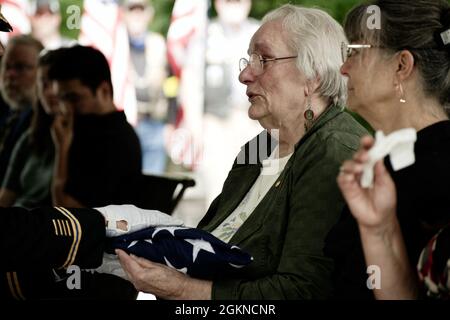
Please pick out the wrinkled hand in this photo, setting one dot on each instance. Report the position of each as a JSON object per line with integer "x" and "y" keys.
{"x": 121, "y": 219}
{"x": 62, "y": 129}
{"x": 375, "y": 207}
{"x": 111, "y": 265}
{"x": 150, "y": 277}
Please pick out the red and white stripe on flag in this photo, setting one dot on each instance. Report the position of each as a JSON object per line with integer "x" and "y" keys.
{"x": 102, "y": 27}
{"x": 15, "y": 11}
{"x": 186, "y": 41}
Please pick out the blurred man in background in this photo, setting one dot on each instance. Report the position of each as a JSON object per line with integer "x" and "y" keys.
{"x": 45, "y": 20}
{"x": 18, "y": 88}
{"x": 148, "y": 71}
{"x": 226, "y": 124}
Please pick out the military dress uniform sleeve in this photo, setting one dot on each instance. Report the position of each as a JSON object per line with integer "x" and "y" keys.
{"x": 51, "y": 238}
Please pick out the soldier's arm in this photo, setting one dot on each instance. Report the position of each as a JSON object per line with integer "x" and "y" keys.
{"x": 51, "y": 237}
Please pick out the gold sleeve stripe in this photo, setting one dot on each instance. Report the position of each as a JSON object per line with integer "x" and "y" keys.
{"x": 59, "y": 227}
{"x": 76, "y": 238}
{"x": 11, "y": 286}
{"x": 68, "y": 228}
{"x": 19, "y": 291}
{"x": 64, "y": 227}
{"x": 77, "y": 234}
{"x": 56, "y": 228}
{"x": 14, "y": 287}
{"x": 76, "y": 230}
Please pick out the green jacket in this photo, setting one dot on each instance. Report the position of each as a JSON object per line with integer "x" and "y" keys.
{"x": 286, "y": 231}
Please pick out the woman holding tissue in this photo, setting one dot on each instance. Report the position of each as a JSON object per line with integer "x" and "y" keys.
{"x": 398, "y": 77}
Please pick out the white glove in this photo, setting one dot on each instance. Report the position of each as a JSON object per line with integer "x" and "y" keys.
{"x": 111, "y": 265}
{"x": 135, "y": 218}
{"x": 399, "y": 145}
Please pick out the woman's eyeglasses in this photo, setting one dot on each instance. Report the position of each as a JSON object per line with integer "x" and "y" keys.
{"x": 348, "y": 49}
{"x": 256, "y": 63}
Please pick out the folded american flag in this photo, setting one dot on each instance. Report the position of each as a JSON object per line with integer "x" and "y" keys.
{"x": 189, "y": 250}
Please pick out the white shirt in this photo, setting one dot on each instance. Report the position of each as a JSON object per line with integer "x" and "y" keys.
{"x": 271, "y": 170}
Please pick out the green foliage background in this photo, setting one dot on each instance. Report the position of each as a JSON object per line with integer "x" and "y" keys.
{"x": 336, "y": 8}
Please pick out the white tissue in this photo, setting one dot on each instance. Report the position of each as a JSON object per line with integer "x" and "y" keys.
{"x": 399, "y": 145}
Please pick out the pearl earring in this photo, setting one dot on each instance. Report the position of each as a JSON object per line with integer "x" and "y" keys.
{"x": 402, "y": 94}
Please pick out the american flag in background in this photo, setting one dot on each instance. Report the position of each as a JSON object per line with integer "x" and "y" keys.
{"x": 186, "y": 41}
{"x": 192, "y": 251}
{"x": 102, "y": 27}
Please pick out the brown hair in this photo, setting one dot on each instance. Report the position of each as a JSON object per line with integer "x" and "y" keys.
{"x": 40, "y": 136}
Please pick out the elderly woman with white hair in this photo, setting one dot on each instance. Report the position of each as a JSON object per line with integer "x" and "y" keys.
{"x": 278, "y": 205}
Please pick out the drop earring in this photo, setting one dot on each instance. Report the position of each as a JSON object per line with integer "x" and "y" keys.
{"x": 402, "y": 94}
{"x": 308, "y": 115}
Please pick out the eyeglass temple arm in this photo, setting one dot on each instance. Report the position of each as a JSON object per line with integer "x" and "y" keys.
{"x": 282, "y": 58}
